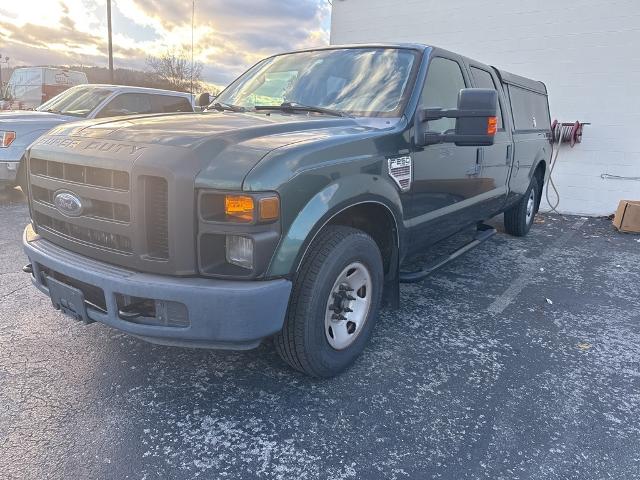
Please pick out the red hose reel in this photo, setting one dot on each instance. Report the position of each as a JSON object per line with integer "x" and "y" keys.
{"x": 570, "y": 133}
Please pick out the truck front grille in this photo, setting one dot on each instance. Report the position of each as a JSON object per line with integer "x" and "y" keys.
{"x": 105, "y": 221}
{"x": 123, "y": 219}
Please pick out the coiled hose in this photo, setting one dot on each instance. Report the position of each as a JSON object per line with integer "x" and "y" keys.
{"x": 567, "y": 133}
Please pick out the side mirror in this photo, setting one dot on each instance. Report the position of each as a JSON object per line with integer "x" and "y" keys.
{"x": 203, "y": 100}
{"x": 476, "y": 121}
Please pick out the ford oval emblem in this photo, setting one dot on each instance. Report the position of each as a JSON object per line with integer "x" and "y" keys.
{"x": 68, "y": 203}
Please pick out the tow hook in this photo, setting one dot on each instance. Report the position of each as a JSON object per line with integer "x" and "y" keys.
{"x": 28, "y": 269}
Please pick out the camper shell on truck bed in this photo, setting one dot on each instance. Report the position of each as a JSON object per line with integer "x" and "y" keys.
{"x": 288, "y": 208}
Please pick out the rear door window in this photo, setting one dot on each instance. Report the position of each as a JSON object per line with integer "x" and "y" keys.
{"x": 127, "y": 104}
{"x": 170, "y": 104}
{"x": 483, "y": 79}
{"x": 530, "y": 109}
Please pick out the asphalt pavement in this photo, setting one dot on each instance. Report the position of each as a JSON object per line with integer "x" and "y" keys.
{"x": 519, "y": 360}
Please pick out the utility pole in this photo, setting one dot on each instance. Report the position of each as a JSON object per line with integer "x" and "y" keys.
{"x": 193, "y": 12}
{"x": 6, "y": 61}
{"x": 110, "y": 41}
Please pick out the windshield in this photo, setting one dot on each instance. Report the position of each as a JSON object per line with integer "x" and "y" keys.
{"x": 77, "y": 101}
{"x": 357, "y": 81}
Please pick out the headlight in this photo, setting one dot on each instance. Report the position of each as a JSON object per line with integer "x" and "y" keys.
{"x": 239, "y": 251}
{"x": 237, "y": 232}
{"x": 239, "y": 208}
{"x": 6, "y": 138}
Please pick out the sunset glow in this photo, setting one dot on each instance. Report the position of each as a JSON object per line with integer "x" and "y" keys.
{"x": 228, "y": 36}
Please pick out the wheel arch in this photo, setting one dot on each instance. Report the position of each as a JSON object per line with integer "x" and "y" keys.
{"x": 370, "y": 211}
{"x": 541, "y": 172}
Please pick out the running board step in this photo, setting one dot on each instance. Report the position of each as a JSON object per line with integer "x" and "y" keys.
{"x": 485, "y": 232}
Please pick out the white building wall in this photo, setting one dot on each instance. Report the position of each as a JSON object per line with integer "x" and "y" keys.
{"x": 586, "y": 51}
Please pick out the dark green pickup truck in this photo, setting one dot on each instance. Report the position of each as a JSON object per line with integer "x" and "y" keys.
{"x": 287, "y": 208}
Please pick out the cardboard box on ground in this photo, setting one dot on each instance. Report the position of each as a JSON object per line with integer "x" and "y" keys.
{"x": 627, "y": 217}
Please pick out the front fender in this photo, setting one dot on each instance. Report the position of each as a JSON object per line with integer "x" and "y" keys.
{"x": 17, "y": 149}
{"x": 324, "y": 205}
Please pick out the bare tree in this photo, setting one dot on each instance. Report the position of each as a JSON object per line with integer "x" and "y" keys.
{"x": 173, "y": 71}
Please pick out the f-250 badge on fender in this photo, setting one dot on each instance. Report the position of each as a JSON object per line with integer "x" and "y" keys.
{"x": 400, "y": 170}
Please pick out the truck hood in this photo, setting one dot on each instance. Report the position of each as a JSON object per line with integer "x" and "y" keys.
{"x": 218, "y": 148}
{"x": 28, "y": 121}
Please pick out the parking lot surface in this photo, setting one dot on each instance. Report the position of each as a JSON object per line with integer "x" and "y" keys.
{"x": 519, "y": 360}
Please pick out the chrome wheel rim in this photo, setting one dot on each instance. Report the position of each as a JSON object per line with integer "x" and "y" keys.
{"x": 531, "y": 205}
{"x": 348, "y": 306}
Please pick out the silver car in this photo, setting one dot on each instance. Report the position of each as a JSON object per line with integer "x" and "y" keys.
{"x": 18, "y": 129}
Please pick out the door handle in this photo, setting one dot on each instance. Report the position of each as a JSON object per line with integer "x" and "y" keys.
{"x": 508, "y": 159}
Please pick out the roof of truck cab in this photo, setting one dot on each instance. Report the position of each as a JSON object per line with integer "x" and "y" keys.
{"x": 409, "y": 46}
{"x": 130, "y": 88}
{"x": 523, "y": 82}
{"x": 506, "y": 77}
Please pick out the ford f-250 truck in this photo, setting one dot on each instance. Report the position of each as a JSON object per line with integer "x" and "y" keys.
{"x": 286, "y": 210}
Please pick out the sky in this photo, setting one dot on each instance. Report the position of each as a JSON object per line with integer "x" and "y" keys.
{"x": 229, "y": 35}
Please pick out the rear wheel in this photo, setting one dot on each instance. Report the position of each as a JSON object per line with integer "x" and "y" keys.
{"x": 334, "y": 303}
{"x": 519, "y": 218}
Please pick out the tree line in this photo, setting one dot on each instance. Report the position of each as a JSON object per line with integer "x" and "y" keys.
{"x": 170, "y": 71}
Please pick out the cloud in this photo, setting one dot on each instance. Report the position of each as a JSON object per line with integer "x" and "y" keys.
{"x": 229, "y": 36}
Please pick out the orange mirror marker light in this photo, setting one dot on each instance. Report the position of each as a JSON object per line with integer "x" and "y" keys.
{"x": 239, "y": 207}
{"x": 492, "y": 125}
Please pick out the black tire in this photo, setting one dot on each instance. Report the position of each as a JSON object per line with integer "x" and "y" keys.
{"x": 516, "y": 220}
{"x": 302, "y": 342}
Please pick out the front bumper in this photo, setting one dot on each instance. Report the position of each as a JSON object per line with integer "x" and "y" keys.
{"x": 8, "y": 172}
{"x": 9, "y": 162}
{"x": 222, "y": 313}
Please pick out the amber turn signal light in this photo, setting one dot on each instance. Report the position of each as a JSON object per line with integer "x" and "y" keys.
{"x": 239, "y": 208}
{"x": 492, "y": 125}
{"x": 6, "y": 138}
{"x": 269, "y": 209}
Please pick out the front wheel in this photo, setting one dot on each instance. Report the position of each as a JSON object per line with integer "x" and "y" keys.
{"x": 334, "y": 303}
{"x": 519, "y": 218}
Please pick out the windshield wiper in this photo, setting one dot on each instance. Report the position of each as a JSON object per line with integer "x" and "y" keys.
{"x": 298, "y": 107}
{"x": 227, "y": 106}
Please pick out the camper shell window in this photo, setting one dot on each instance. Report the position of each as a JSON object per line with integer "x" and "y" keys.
{"x": 530, "y": 109}
{"x": 529, "y": 102}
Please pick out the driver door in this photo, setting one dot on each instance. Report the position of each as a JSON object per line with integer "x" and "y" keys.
{"x": 446, "y": 180}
